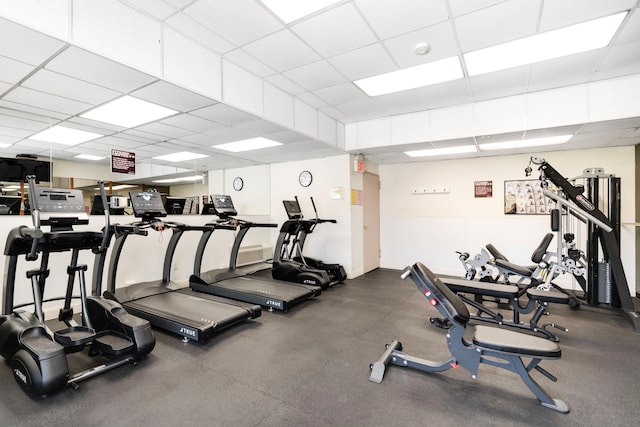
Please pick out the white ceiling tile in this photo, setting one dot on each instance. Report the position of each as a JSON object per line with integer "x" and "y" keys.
{"x": 335, "y": 31}
{"x": 5, "y": 139}
{"x": 192, "y": 123}
{"x": 446, "y": 94}
{"x": 223, "y": 114}
{"x": 155, "y": 8}
{"x": 172, "y": 96}
{"x": 315, "y": 76}
{"x": 288, "y": 137}
{"x": 564, "y": 71}
{"x": 163, "y": 131}
{"x": 439, "y": 37}
{"x": 282, "y": 51}
{"x": 69, "y": 87}
{"x": 238, "y": 21}
{"x": 285, "y": 84}
{"x": 109, "y": 142}
{"x": 26, "y": 45}
{"x": 15, "y": 132}
{"x": 22, "y": 123}
{"x": 461, "y": 7}
{"x": 312, "y": 100}
{"x": 196, "y": 31}
{"x": 138, "y": 136}
{"x": 502, "y": 83}
{"x": 4, "y": 87}
{"x": 631, "y": 30}
{"x": 54, "y": 116}
{"x": 99, "y": 127}
{"x": 247, "y": 62}
{"x": 341, "y": 94}
{"x": 260, "y": 127}
{"x": 364, "y": 62}
{"x": 12, "y": 71}
{"x": 95, "y": 69}
{"x": 509, "y": 20}
{"x": 221, "y": 136}
{"x": 556, "y": 14}
{"x": 620, "y": 60}
{"x": 391, "y": 18}
{"x": 38, "y": 99}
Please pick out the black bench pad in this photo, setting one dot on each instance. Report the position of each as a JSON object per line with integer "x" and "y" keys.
{"x": 547, "y": 296}
{"x": 517, "y": 343}
{"x": 520, "y": 270}
{"x": 481, "y": 288}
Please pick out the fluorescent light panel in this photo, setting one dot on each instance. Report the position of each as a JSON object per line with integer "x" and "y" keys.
{"x": 88, "y": 157}
{"x": 180, "y": 157}
{"x": 119, "y": 187}
{"x": 181, "y": 179}
{"x": 521, "y": 143}
{"x": 541, "y": 47}
{"x": 248, "y": 144}
{"x": 3, "y": 145}
{"x": 442, "y": 151}
{"x": 64, "y": 135}
{"x": 290, "y": 10}
{"x": 430, "y": 73}
{"x": 128, "y": 112}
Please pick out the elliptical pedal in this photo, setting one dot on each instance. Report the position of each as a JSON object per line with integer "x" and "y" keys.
{"x": 111, "y": 343}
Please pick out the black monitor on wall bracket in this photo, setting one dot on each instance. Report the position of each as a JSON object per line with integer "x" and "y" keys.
{"x": 17, "y": 169}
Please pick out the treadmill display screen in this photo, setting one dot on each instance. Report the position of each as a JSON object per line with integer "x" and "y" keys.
{"x": 293, "y": 209}
{"x": 147, "y": 204}
{"x": 223, "y": 205}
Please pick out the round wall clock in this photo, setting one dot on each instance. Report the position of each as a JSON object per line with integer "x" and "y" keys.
{"x": 238, "y": 183}
{"x": 305, "y": 178}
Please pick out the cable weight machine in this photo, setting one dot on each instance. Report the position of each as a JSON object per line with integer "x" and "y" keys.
{"x": 606, "y": 280}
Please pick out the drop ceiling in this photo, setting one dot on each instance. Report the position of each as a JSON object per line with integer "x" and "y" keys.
{"x": 45, "y": 81}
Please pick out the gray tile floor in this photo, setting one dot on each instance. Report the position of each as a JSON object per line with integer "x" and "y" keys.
{"x": 309, "y": 367}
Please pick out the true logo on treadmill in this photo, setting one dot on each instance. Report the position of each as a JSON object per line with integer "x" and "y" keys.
{"x": 274, "y": 303}
{"x": 189, "y": 332}
{"x": 309, "y": 282}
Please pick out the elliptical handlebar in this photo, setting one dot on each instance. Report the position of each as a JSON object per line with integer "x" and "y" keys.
{"x": 105, "y": 231}
{"x": 35, "y": 217}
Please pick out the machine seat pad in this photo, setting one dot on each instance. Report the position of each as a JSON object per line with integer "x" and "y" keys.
{"x": 481, "y": 288}
{"x": 547, "y": 296}
{"x": 520, "y": 270}
{"x": 516, "y": 343}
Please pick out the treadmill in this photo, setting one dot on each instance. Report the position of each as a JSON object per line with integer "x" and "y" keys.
{"x": 234, "y": 283}
{"x": 166, "y": 304}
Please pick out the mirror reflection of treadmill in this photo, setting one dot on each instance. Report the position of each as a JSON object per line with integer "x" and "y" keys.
{"x": 231, "y": 282}
{"x": 166, "y": 304}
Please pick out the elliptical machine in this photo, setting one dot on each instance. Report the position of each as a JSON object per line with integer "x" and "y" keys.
{"x": 336, "y": 272}
{"x": 38, "y": 355}
{"x": 288, "y": 263}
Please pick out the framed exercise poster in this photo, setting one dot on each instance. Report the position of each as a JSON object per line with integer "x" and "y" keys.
{"x": 525, "y": 197}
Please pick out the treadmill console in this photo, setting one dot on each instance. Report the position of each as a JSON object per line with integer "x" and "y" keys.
{"x": 223, "y": 206}
{"x": 61, "y": 206}
{"x": 293, "y": 209}
{"x": 147, "y": 204}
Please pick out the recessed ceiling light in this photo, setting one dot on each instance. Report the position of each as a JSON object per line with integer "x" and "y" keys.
{"x": 521, "y": 143}
{"x": 181, "y": 179}
{"x": 64, "y": 135}
{"x": 88, "y": 157}
{"x": 118, "y": 187}
{"x": 180, "y": 157}
{"x": 442, "y": 151}
{"x": 128, "y": 112}
{"x": 290, "y": 10}
{"x": 541, "y": 47}
{"x": 248, "y": 144}
{"x": 430, "y": 73}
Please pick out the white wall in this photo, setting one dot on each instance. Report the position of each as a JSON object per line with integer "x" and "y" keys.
{"x": 430, "y": 228}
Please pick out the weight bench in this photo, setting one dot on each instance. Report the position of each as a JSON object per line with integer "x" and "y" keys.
{"x": 494, "y": 346}
{"x": 538, "y": 303}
